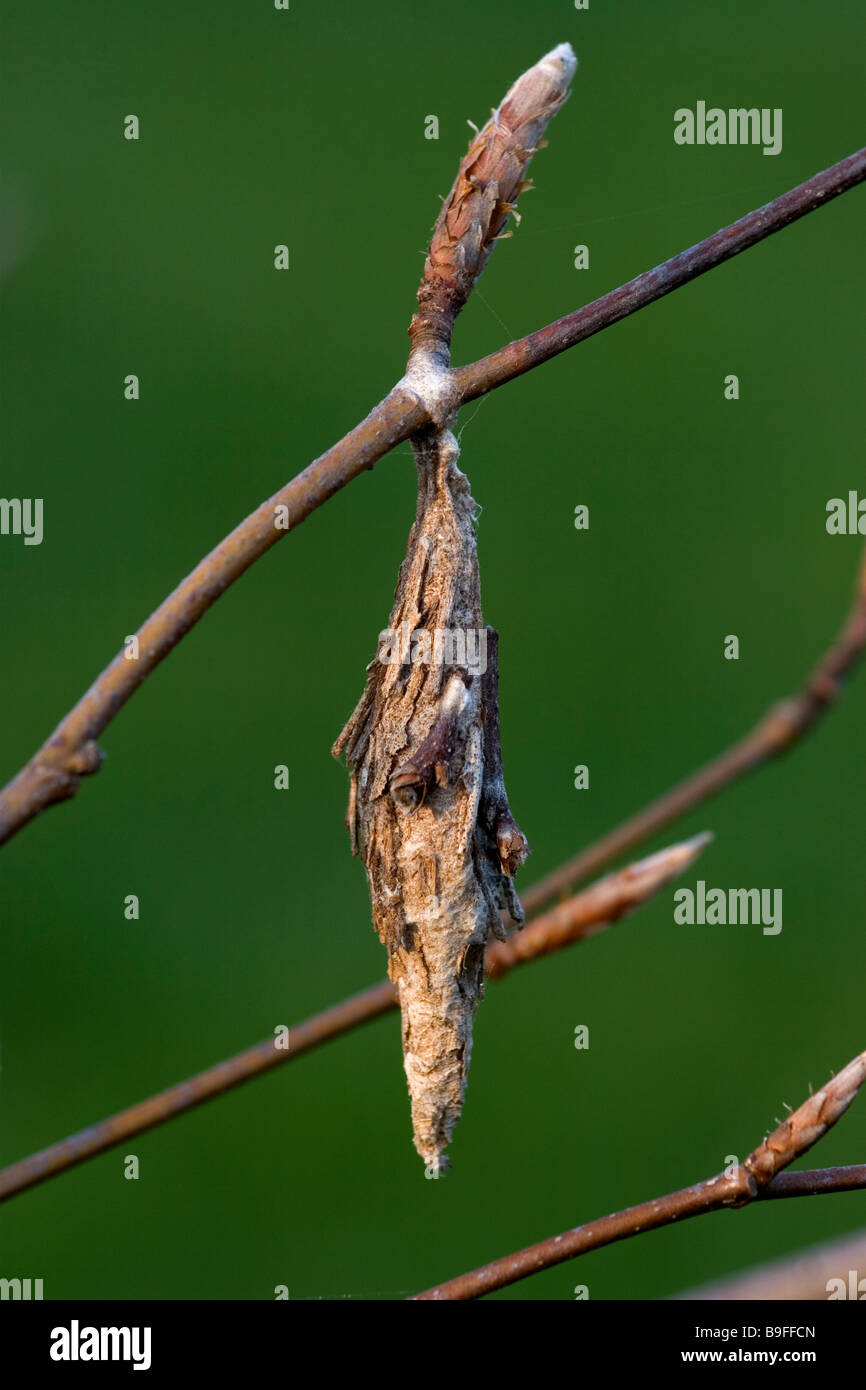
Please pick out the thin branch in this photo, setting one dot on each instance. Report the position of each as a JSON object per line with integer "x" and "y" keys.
{"x": 525, "y": 353}
{"x": 597, "y": 907}
{"x": 55, "y": 771}
{"x": 712, "y": 1195}
{"x": 782, "y": 726}
{"x": 813, "y": 1274}
{"x": 758, "y": 1178}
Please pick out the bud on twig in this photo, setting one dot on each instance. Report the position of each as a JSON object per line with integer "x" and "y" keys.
{"x": 806, "y": 1126}
{"x": 489, "y": 181}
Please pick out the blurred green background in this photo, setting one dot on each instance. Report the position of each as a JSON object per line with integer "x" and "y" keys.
{"x": 707, "y": 517}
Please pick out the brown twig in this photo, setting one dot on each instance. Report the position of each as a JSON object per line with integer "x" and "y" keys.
{"x": 525, "y": 353}
{"x": 818, "y": 1273}
{"x": 600, "y": 905}
{"x": 55, "y": 771}
{"x": 758, "y": 1178}
{"x": 783, "y": 725}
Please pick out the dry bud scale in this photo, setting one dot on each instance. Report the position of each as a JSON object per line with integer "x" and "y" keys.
{"x": 428, "y": 811}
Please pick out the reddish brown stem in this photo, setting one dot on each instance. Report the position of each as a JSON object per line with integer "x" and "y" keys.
{"x": 704, "y": 1197}
{"x": 599, "y": 905}
{"x": 525, "y": 353}
{"x": 55, "y": 771}
{"x": 756, "y": 1178}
